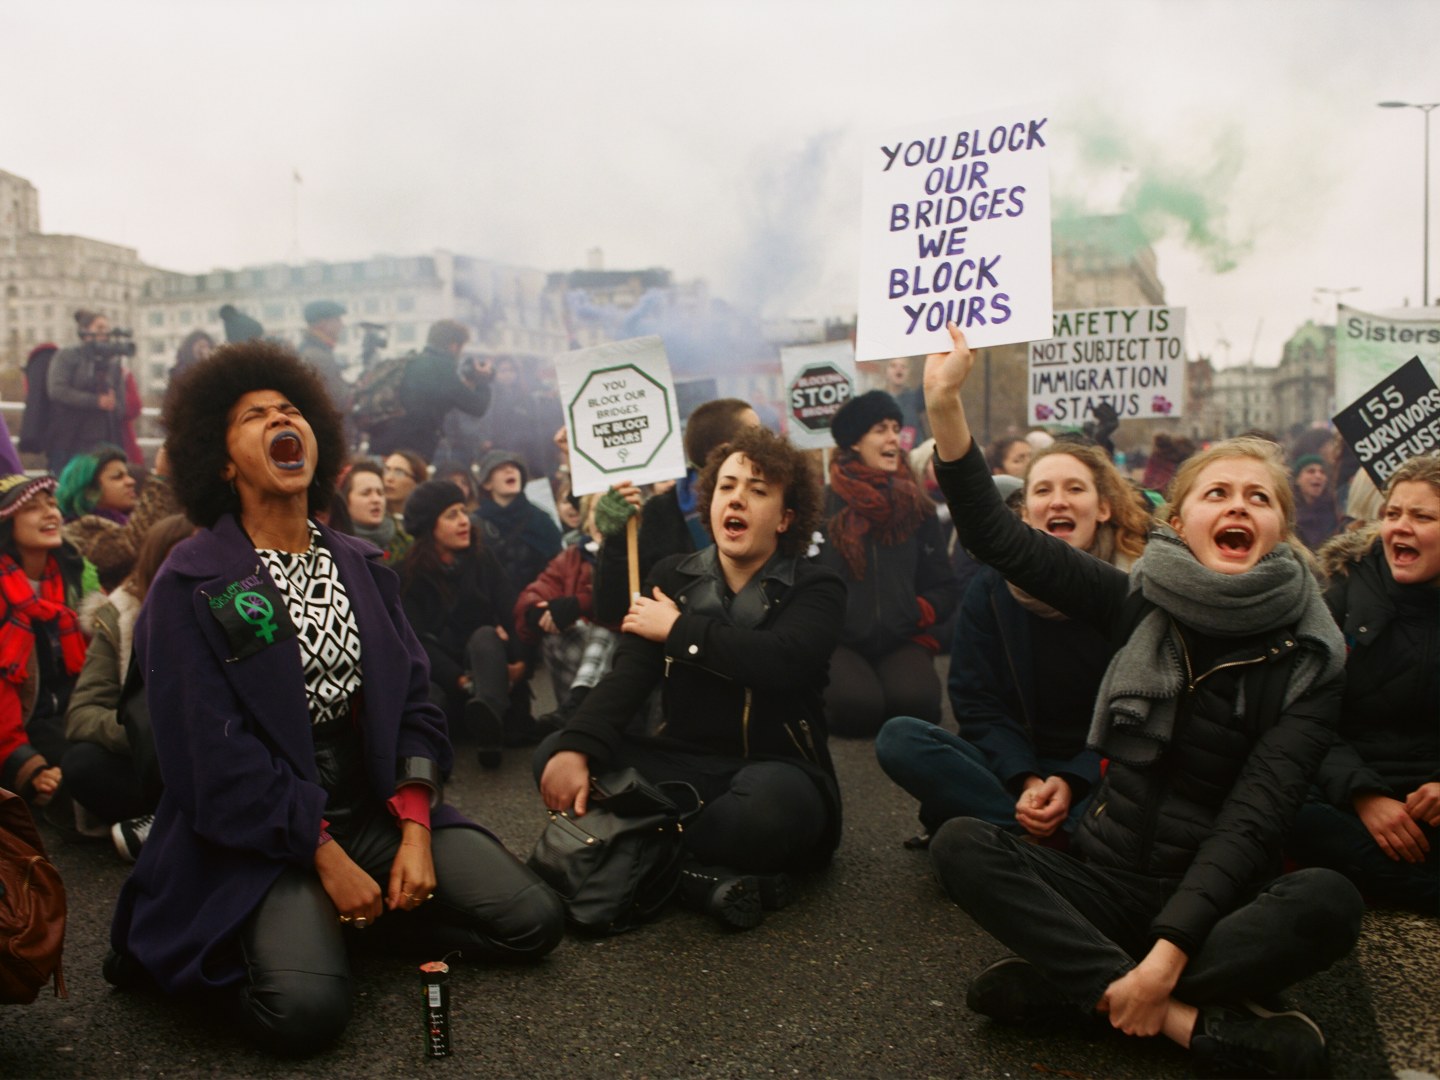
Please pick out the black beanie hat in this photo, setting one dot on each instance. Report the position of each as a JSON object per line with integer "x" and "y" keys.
{"x": 238, "y": 325}
{"x": 427, "y": 502}
{"x": 860, "y": 414}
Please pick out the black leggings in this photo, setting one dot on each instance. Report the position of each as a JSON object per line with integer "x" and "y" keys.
{"x": 297, "y": 994}
{"x": 759, "y": 816}
{"x": 864, "y": 691}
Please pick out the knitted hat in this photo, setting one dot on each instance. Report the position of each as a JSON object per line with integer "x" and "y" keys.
{"x": 427, "y": 502}
{"x": 1308, "y": 459}
{"x": 17, "y": 489}
{"x": 323, "y": 309}
{"x": 238, "y": 325}
{"x": 495, "y": 458}
{"x": 860, "y": 414}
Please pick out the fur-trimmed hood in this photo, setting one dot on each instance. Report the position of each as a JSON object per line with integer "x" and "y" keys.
{"x": 1342, "y": 551}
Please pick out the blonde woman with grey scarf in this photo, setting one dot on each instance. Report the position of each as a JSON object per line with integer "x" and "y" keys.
{"x": 1220, "y": 700}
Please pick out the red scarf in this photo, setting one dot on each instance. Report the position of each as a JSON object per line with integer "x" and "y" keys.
{"x": 889, "y": 504}
{"x": 23, "y": 608}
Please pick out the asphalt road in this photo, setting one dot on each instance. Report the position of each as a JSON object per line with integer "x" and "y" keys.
{"x": 863, "y": 976}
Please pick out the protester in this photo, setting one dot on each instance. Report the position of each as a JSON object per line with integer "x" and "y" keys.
{"x": 197, "y": 346}
{"x": 459, "y": 599}
{"x": 97, "y": 484}
{"x": 1214, "y": 713}
{"x": 1167, "y": 453}
{"x": 739, "y": 633}
{"x": 289, "y": 697}
{"x": 1374, "y": 813}
{"x": 910, "y": 400}
{"x": 1317, "y": 515}
{"x": 671, "y": 524}
{"x": 360, "y": 509}
{"x": 99, "y": 771}
{"x": 324, "y": 324}
{"x": 430, "y": 388}
{"x": 521, "y": 536}
{"x": 85, "y": 385}
{"x": 114, "y": 550}
{"x": 1008, "y": 456}
{"x": 402, "y": 471}
{"x": 881, "y": 535}
{"x": 1023, "y": 676}
{"x": 42, "y": 582}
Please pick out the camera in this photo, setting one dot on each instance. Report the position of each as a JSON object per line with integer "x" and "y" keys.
{"x": 121, "y": 343}
{"x": 376, "y": 339}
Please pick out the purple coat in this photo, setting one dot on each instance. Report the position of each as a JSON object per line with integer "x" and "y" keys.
{"x": 233, "y": 738}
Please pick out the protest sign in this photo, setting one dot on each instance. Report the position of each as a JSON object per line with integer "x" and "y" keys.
{"x": 1132, "y": 358}
{"x": 819, "y": 379}
{"x": 955, "y": 226}
{"x": 1398, "y": 418}
{"x": 620, "y": 414}
{"x": 1371, "y": 344}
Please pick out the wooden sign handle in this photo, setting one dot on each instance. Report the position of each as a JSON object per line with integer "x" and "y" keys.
{"x": 632, "y": 553}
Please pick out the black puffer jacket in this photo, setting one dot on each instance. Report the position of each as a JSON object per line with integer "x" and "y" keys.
{"x": 1211, "y": 812}
{"x": 1390, "y": 720}
{"x": 728, "y": 690}
{"x": 883, "y": 611}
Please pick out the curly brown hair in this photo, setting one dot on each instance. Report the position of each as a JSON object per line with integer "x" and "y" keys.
{"x": 196, "y": 417}
{"x": 1128, "y": 518}
{"x": 779, "y": 463}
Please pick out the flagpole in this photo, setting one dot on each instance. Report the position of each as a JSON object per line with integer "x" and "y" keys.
{"x": 295, "y": 216}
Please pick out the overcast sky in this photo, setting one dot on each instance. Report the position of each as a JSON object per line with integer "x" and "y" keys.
{"x": 722, "y": 140}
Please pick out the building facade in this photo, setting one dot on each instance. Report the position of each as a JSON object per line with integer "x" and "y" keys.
{"x": 1304, "y": 384}
{"x": 401, "y": 296}
{"x": 45, "y": 278}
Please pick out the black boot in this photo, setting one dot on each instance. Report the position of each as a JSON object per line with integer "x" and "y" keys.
{"x": 726, "y": 895}
{"x": 563, "y": 713}
{"x": 489, "y": 731}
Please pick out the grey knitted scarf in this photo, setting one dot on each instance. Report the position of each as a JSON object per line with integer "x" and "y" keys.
{"x": 1136, "y": 707}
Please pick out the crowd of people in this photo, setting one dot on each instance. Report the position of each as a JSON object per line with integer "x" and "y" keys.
{"x": 1197, "y": 700}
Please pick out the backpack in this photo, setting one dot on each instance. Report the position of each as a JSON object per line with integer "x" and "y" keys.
{"x": 32, "y": 908}
{"x": 376, "y": 401}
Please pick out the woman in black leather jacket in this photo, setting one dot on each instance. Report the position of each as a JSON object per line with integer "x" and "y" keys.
{"x": 1216, "y": 709}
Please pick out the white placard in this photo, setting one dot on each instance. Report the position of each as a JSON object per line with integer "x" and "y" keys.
{"x": 819, "y": 379}
{"x": 956, "y": 225}
{"x": 1369, "y": 345}
{"x": 1133, "y": 358}
{"x": 620, "y": 414}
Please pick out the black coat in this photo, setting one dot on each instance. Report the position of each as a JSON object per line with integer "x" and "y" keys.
{"x": 993, "y": 680}
{"x": 446, "y": 608}
{"x": 1390, "y": 720}
{"x": 74, "y": 381}
{"x": 663, "y": 532}
{"x": 726, "y": 690}
{"x": 429, "y": 389}
{"x": 1211, "y": 812}
{"x": 882, "y": 611}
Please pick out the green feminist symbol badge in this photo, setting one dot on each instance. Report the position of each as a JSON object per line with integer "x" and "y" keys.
{"x": 257, "y": 610}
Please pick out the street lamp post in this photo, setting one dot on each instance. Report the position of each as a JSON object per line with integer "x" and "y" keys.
{"x": 1425, "y": 239}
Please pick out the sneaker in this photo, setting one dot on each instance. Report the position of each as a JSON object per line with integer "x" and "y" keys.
{"x": 130, "y": 836}
{"x": 488, "y": 729}
{"x": 1248, "y": 1039}
{"x": 1012, "y": 991}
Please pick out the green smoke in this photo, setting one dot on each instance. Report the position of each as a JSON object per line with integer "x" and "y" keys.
{"x": 1161, "y": 195}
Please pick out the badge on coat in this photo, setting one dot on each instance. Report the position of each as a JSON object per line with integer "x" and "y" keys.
{"x": 253, "y": 615}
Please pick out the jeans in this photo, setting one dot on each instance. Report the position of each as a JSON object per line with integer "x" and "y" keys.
{"x": 951, "y": 777}
{"x": 1326, "y": 836}
{"x": 297, "y": 994}
{"x": 1083, "y": 927}
{"x": 760, "y": 817}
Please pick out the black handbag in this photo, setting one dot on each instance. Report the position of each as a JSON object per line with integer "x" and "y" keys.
{"x": 616, "y": 867}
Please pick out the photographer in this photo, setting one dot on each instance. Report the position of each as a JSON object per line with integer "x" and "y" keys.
{"x": 86, "y": 386}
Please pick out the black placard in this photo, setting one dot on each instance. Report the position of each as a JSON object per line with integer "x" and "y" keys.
{"x": 1396, "y": 419}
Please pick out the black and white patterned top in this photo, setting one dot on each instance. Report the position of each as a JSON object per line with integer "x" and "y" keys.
{"x": 329, "y": 636}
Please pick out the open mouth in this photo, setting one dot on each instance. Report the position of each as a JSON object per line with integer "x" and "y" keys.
{"x": 735, "y": 527}
{"x": 287, "y": 451}
{"x": 1402, "y": 554}
{"x": 1060, "y": 526}
{"x": 1234, "y": 541}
